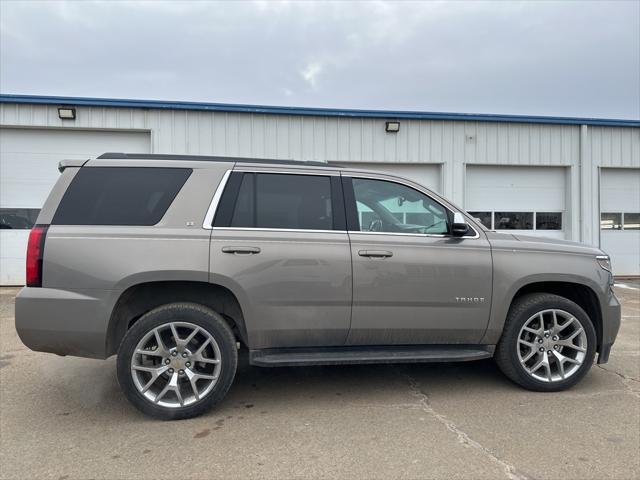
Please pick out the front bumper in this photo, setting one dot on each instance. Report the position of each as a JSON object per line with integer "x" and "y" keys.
{"x": 611, "y": 314}
{"x": 64, "y": 322}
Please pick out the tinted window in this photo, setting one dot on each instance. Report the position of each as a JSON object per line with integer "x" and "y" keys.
{"x": 391, "y": 207}
{"x": 120, "y": 195}
{"x": 483, "y": 217}
{"x": 632, "y": 221}
{"x": 244, "y": 211}
{"x": 548, "y": 221}
{"x": 513, "y": 220}
{"x": 270, "y": 200}
{"x": 18, "y": 218}
{"x": 611, "y": 221}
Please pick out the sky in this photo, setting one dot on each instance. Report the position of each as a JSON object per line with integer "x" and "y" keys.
{"x": 561, "y": 58}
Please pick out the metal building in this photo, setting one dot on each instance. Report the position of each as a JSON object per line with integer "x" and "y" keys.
{"x": 571, "y": 178}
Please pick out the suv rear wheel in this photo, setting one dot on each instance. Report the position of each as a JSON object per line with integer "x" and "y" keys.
{"x": 548, "y": 343}
{"x": 177, "y": 361}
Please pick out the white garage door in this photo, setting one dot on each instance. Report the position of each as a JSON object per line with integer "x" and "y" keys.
{"x": 29, "y": 168}
{"x": 529, "y": 200}
{"x": 424, "y": 174}
{"x": 620, "y": 218}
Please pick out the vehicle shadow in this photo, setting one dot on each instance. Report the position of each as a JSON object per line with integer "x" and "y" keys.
{"x": 333, "y": 385}
{"x": 278, "y": 390}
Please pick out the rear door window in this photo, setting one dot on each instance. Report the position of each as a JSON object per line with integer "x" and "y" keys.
{"x": 120, "y": 195}
{"x": 281, "y": 201}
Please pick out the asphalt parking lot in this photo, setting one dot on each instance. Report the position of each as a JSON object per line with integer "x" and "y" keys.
{"x": 64, "y": 419}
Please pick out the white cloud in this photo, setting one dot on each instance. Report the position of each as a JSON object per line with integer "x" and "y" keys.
{"x": 310, "y": 73}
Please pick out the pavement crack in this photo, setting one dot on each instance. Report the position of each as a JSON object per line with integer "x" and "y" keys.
{"x": 401, "y": 406}
{"x": 626, "y": 380}
{"x": 463, "y": 438}
{"x": 621, "y": 375}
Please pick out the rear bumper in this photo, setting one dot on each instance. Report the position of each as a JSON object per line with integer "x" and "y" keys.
{"x": 611, "y": 314}
{"x": 64, "y": 322}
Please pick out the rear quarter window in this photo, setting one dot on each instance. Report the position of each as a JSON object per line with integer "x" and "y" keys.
{"x": 120, "y": 195}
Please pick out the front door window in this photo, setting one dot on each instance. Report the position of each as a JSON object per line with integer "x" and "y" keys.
{"x": 390, "y": 207}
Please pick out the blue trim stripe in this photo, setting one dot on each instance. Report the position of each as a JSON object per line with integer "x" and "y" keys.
{"x": 328, "y": 112}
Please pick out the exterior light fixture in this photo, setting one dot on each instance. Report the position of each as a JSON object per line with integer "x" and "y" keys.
{"x": 392, "y": 127}
{"x": 66, "y": 113}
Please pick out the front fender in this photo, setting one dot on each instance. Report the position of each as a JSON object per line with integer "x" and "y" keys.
{"x": 515, "y": 269}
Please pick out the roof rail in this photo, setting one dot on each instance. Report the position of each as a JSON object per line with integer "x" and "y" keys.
{"x": 204, "y": 158}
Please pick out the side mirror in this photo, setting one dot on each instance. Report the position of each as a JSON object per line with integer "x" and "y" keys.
{"x": 459, "y": 227}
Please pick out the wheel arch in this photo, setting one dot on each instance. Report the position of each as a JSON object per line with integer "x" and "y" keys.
{"x": 581, "y": 294}
{"x": 139, "y": 299}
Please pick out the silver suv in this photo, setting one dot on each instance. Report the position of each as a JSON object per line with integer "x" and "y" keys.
{"x": 177, "y": 262}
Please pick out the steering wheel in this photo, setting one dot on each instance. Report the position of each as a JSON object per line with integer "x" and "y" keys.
{"x": 375, "y": 226}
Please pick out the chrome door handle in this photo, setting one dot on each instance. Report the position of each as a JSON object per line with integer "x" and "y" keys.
{"x": 241, "y": 250}
{"x": 375, "y": 253}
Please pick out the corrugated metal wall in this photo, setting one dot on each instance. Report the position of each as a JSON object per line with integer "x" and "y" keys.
{"x": 344, "y": 139}
{"x": 452, "y": 144}
{"x": 615, "y": 146}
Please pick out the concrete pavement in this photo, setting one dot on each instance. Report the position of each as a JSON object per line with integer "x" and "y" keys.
{"x": 65, "y": 418}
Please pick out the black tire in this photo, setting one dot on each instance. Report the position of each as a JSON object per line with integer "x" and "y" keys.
{"x": 506, "y": 355}
{"x": 193, "y": 313}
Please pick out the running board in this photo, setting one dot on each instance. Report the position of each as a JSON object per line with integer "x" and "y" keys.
{"x": 288, "y": 357}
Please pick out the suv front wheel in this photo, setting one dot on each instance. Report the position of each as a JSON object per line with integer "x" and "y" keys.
{"x": 548, "y": 343}
{"x": 177, "y": 361}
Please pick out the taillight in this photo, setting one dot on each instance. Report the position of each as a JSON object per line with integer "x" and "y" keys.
{"x": 35, "y": 254}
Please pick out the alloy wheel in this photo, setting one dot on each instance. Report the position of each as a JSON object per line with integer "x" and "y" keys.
{"x": 176, "y": 364}
{"x": 552, "y": 345}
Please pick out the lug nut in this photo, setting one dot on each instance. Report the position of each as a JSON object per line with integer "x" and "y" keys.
{"x": 555, "y": 347}
{"x": 541, "y": 349}
{"x": 549, "y": 352}
{"x": 555, "y": 338}
{"x": 540, "y": 341}
{"x": 181, "y": 372}
{"x": 167, "y": 361}
{"x": 171, "y": 370}
{"x": 188, "y": 364}
{"x": 546, "y": 335}
{"x": 174, "y": 353}
{"x": 184, "y": 354}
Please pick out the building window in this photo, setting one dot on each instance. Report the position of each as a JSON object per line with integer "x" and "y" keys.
{"x": 417, "y": 218}
{"x": 18, "y": 218}
{"x": 513, "y": 220}
{"x": 548, "y": 221}
{"x": 519, "y": 220}
{"x": 631, "y": 221}
{"x": 483, "y": 217}
{"x": 610, "y": 221}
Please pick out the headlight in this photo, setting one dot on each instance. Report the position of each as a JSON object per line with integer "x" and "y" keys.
{"x": 605, "y": 262}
